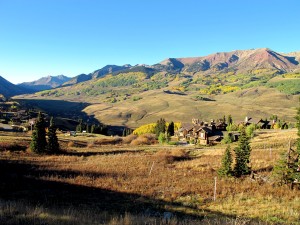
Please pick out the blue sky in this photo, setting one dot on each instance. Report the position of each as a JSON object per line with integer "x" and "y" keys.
{"x": 53, "y": 37}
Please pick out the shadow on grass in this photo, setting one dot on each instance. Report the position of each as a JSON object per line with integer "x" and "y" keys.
{"x": 90, "y": 153}
{"x": 24, "y": 182}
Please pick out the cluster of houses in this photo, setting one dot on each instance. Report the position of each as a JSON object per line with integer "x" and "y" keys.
{"x": 209, "y": 133}
{"x": 16, "y": 119}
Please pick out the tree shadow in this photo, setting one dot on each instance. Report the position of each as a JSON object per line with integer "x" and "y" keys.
{"x": 25, "y": 182}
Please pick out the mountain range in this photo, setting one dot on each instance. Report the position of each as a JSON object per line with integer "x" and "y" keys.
{"x": 180, "y": 88}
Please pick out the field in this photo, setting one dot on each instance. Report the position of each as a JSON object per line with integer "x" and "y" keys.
{"x": 258, "y": 102}
{"x": 100, "y": 180}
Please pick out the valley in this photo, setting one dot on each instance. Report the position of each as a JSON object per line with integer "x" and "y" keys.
{"x": 94, "y": 181}
{"x": 258, "y": 83}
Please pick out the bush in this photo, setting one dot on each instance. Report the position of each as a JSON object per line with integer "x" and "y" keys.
{"x": 71, "y": 144}
{"x": 128, "y": 139}
{"x": 162, "y": 138}
{"x": 146, "y": 139}
{"x": 109, "y": 141}
{"x": 171, "y": 156}
{"x": 227, "y": 139}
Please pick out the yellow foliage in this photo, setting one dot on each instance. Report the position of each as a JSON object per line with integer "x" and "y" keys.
{"x": 145, "y": 129}
{"x": 294, "y": 75}
{"x": 218, "y": 89}
{"x": 150, "y": 128}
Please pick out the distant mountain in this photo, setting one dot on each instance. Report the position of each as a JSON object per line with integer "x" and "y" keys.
{"x": 45, "y": 83}
{"x": 8, "y": 89}
{"x": 78, "y": 79}
{"x": 239, "y": 61}
{"x": 257, "y": 82}
{"x": 109, "y": 69}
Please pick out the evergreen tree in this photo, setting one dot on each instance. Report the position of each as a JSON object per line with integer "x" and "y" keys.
{"x": 93, "y": 128}
{"x": 226, "y": 169}
{"x": 297, "y": 160}
{"x": 286, "y": 169}
{"x": 79, "y": 126}
{"x": 242, "y": 155}
{"x": 283, "y": 169}
{"x": 160, "y": 127}
{"x": 38, "y": 143}
{"x": 229, "y": 120}
{"x": 53, "y": 145}
{"x": 171, "y": 129}
{"x": 224, "y": 119}
{"x": 88, "y": 128}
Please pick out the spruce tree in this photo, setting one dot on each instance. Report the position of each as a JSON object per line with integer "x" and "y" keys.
{"x": 226, "y": 169}
{"x": 296, "y": 166}
{"x": 242, "y": 155}
{"x": 286, "y": 170}
{"x": 229, "y": 120}
{"x": 160, "y": 127}
{"x": 53, "y": 145}
{"x": 38, "y": 143}
{"x": 171, "y": 129}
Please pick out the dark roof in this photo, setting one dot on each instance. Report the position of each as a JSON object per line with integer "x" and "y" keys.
{"x": 206, "y": 129}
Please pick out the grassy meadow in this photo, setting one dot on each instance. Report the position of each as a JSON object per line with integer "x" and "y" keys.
{"x": 105, "y": 180}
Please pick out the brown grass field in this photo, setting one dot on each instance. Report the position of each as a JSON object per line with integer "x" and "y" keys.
{"x": 99, "y": 180}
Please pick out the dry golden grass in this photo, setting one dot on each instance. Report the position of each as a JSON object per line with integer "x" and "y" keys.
{"x": 178, "y": 179}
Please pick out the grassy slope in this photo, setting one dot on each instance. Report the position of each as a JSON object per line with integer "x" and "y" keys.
{"x": 133, "y": 106}
{"x": 258, "y": 102}
{"x": 95, "y": 184}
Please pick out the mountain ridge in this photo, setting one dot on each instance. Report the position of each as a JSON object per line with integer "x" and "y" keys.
{"x": 45, "y": 83}
{"x": 256, "y": 82}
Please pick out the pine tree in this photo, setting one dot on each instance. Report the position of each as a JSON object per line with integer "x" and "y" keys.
{"x": 53, "y": 145}
{"x": 160, "y": 127}
{"x": 283, "y": 169}
{"x": 88, "y": 128}
{"x": 38, "y": 143}
{"x": 229, "y": 120}
{"x": 224, "y": 119}
{"x": 79, "y": 126}
{"x": 170, "y": 130}
{"x": 286, "y": 170}
{"x": 297, "y": 160}
{"x": 242, "y": 155}
{"x": 93, "y": 128}
{"x": 226, "y": 169}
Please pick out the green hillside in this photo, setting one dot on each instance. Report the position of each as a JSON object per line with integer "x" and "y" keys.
{"x": 256, "y": 83}
{"x": 134, "y": 98}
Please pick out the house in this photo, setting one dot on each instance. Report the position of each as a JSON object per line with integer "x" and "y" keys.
{"x": 259, "y": 123}
{"x": 202, "y": 133}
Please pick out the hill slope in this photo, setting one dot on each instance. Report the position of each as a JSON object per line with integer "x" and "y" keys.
{"x": 257, "y": 83}
{"x": 8, "y": 89}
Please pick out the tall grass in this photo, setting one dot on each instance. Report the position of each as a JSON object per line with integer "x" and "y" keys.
{"x": 183, "y": 178}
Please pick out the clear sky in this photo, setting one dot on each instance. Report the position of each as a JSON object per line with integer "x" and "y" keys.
{"x": 52, "y": 37}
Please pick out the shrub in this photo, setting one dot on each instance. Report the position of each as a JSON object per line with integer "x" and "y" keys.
{"x": 171, "y": 156}
{"x": 227, "y": 139}
{"x": 146, "y": 139}
{"x": 71, "y": 144}
{"x": 109, "y": 141}
{"x": 162, "y": 138}
{"x": 128, "y": 139}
